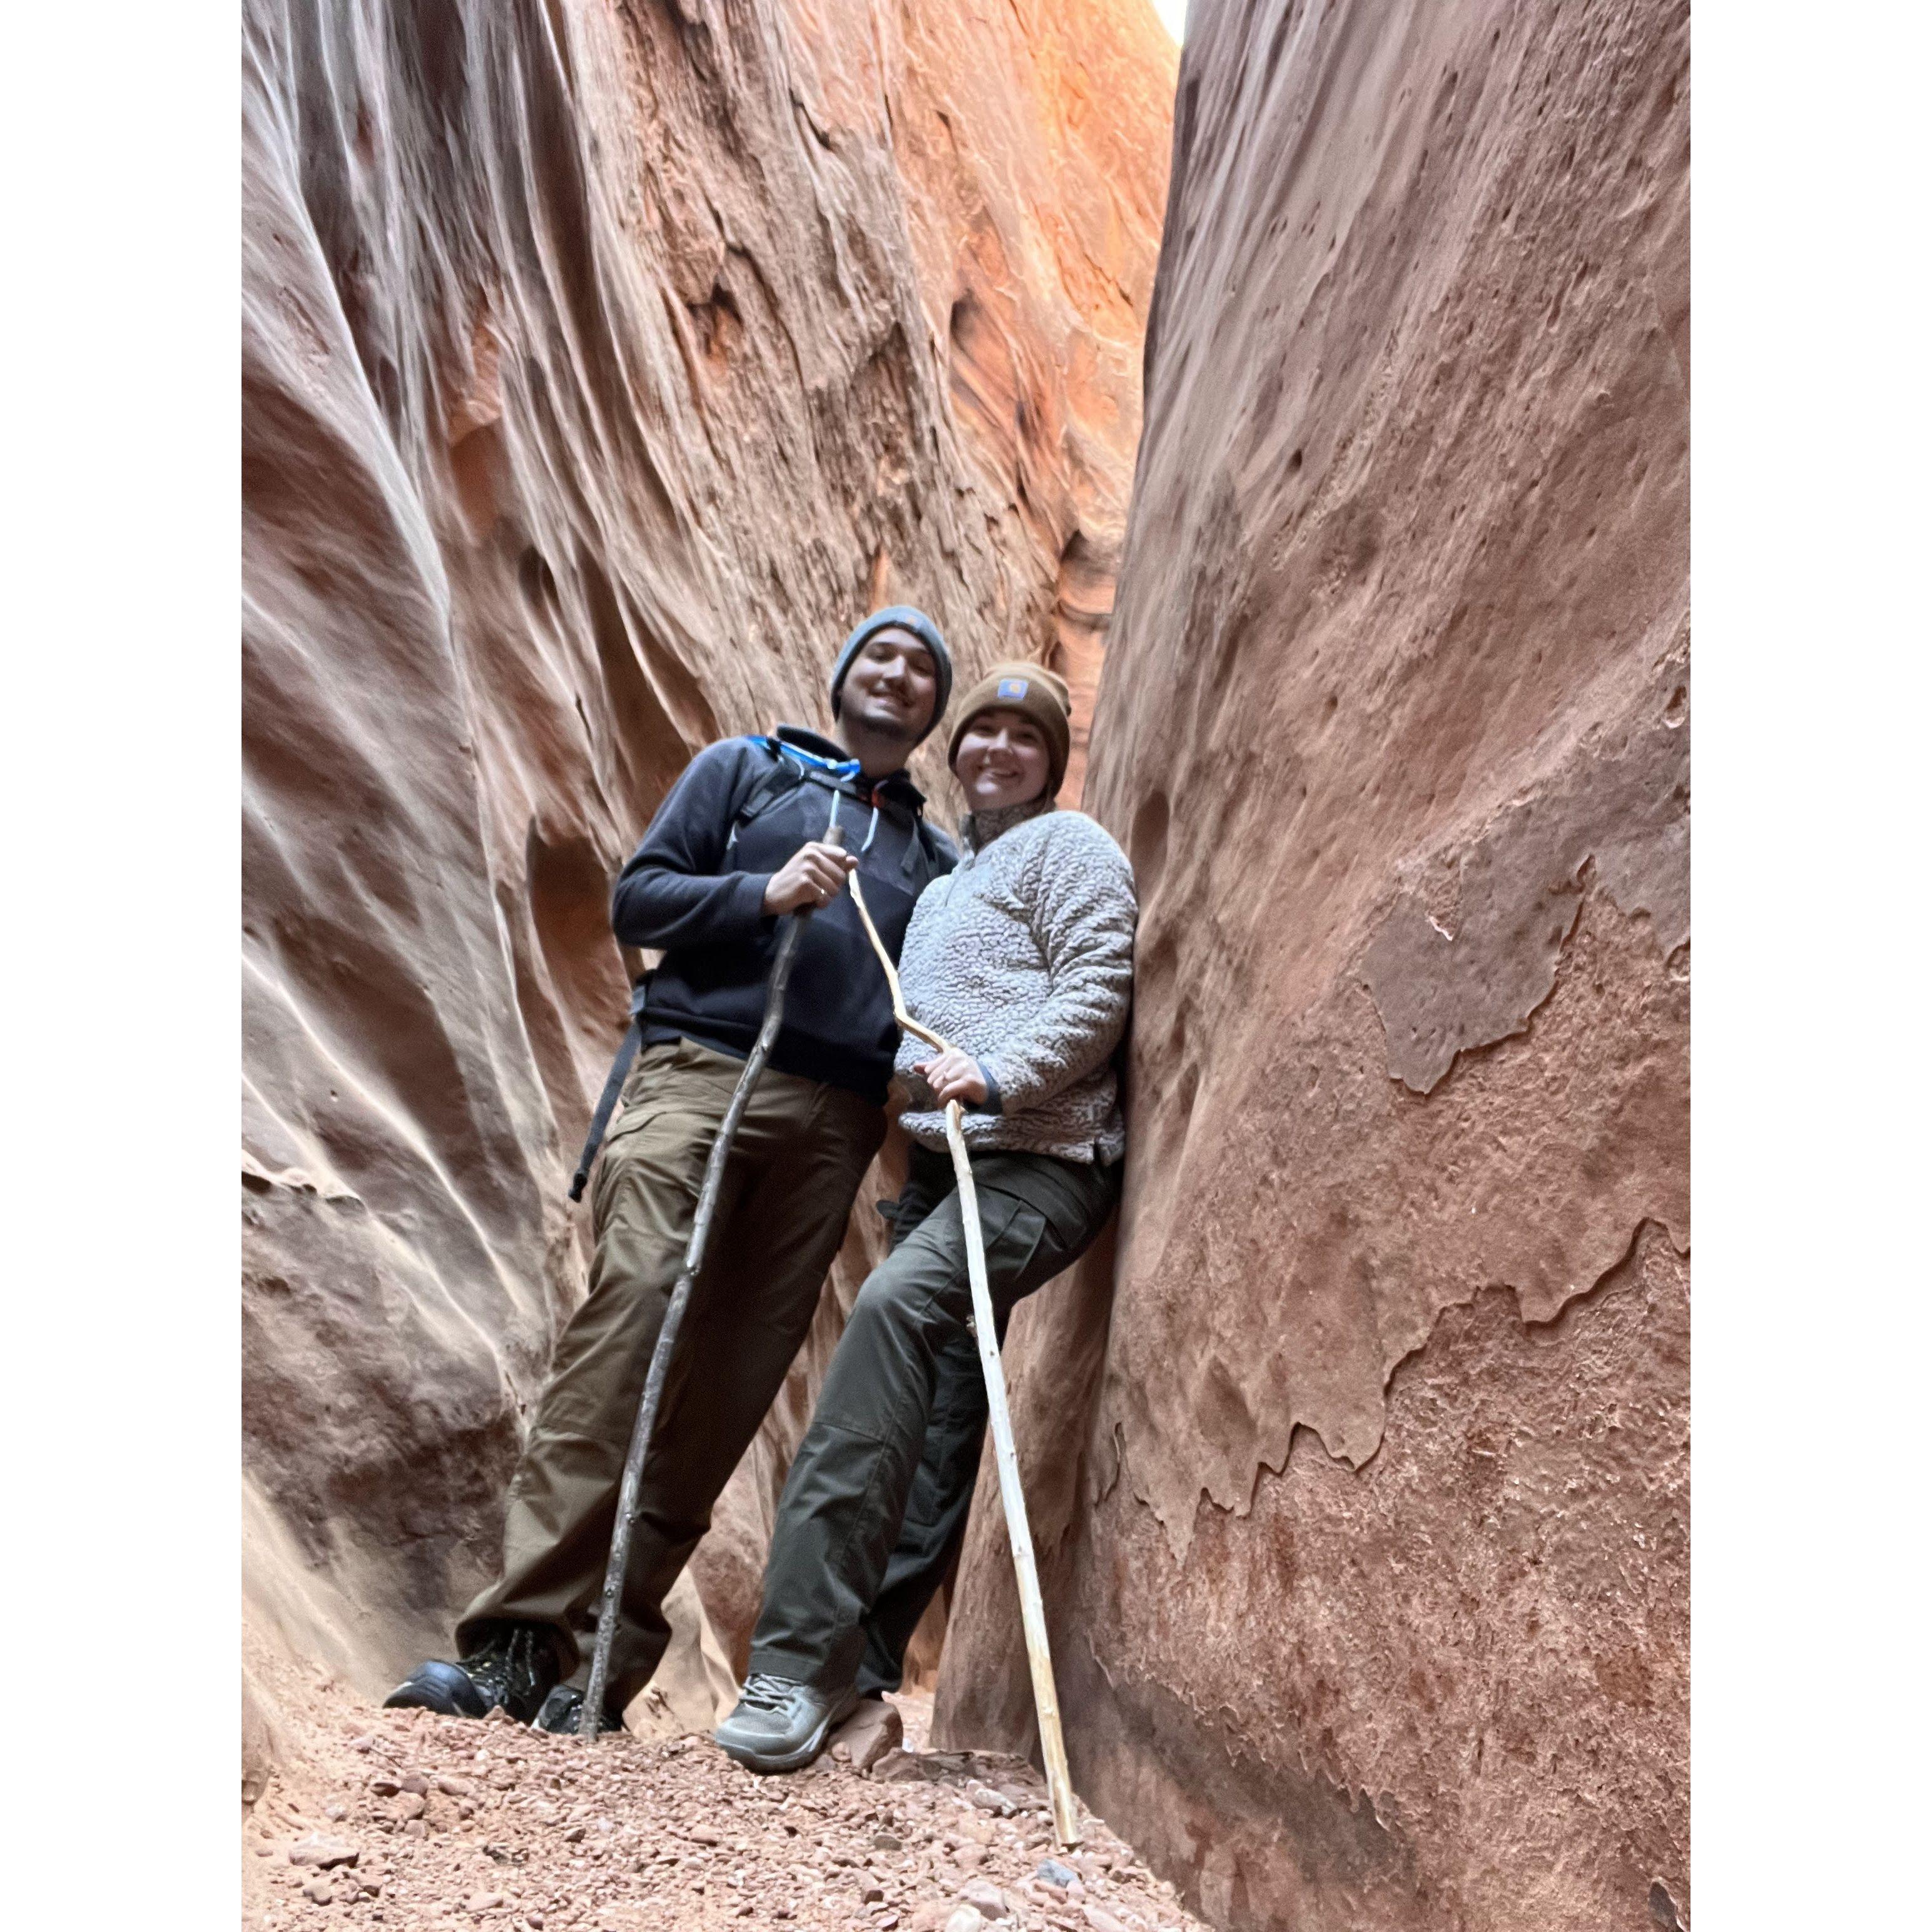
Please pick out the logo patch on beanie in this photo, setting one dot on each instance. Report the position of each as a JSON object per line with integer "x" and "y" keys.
{"x": 1013, "y": 687}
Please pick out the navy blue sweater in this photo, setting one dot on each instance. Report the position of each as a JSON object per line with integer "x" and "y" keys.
{"x": 695, "y": 887}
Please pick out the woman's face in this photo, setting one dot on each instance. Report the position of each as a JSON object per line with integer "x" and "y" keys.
{"x": 1002, "y": 760}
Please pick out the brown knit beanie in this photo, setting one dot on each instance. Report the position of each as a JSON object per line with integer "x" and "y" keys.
{"x": 1037, "y": 693}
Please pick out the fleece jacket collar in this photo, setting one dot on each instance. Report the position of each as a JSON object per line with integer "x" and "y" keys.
{"x": 978, "y": 830}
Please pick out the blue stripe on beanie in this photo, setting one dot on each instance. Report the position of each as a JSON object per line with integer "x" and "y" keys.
{"x": 925, "y": 630}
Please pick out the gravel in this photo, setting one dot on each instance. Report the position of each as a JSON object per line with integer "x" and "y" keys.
{"x": 401, "y": 1820}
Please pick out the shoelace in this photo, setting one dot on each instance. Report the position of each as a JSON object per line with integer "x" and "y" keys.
{"x": 764, "y": 1692}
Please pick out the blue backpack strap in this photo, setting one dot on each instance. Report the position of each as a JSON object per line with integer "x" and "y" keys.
{"x": 779, "y": 781}
{"x": 792, "y": 766}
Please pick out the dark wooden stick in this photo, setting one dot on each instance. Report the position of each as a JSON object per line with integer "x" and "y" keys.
{"x": 590, "y": 1719}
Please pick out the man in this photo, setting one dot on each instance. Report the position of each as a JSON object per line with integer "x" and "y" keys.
{"x": 740, "y": 841}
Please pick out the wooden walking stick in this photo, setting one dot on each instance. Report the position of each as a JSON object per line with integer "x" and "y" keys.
{"x": 590, "y": 1719}
{"x": 1033, "y": 1611}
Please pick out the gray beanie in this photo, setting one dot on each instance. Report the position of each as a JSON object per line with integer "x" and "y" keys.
{"x": 905, "y": 618}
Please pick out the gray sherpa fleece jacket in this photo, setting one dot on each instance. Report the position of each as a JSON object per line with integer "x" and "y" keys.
{"x": 1024, "y": 957}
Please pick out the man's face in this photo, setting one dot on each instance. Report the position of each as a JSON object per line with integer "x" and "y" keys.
{"x": 891, "y": 684}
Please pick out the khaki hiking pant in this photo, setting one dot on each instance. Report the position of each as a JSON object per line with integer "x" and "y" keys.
{"x": 801, "y": 1151}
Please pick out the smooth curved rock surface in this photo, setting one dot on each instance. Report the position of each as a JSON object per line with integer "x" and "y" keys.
{"x": 1360, "y": 1475}
{"x": 602, "y": 362}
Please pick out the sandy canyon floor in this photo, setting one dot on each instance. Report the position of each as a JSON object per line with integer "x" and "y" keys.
{"x": 403, "y": 1819}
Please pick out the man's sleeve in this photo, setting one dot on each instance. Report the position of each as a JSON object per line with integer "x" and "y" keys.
{"x": 672, "y": 893}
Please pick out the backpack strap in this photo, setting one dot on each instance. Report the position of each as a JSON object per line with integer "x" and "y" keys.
{"x": 606, "y": 1102}
{"x": 771, "y": 784}
{"x": 929, "y": 844}
{"x": 779, "y": 780}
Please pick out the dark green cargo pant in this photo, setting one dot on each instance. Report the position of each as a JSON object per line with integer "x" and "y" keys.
{"x": 801, "y": 1152}
{"x": 879, "y": 1490}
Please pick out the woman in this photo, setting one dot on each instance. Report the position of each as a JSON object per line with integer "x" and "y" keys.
{"x": 1023, "y": 958}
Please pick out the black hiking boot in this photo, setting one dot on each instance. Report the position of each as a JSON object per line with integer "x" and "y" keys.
{"x": 780, "y": 1726}
{"x": 515, "y": 1666}
{"x": 563, "y": 1710}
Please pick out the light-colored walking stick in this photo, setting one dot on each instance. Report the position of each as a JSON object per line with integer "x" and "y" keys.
{"x": 590, "y": 1719}
{"x": 1033, "y": 1611}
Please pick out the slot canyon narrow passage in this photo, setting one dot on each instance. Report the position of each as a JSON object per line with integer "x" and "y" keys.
{"x": 1314, "y": 397}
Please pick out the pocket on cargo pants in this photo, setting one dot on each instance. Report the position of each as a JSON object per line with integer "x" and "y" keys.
{"x": 1057, "y": 1217}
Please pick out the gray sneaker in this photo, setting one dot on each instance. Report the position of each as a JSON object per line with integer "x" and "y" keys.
{"x": 780, "y": 1726}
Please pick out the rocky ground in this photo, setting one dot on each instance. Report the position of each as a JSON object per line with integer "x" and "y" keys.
{"x": 403, "y": 1819}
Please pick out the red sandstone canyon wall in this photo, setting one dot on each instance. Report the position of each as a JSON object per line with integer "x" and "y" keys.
{"x": 1361, "y": 1462}
{"x": 603, "y": 360}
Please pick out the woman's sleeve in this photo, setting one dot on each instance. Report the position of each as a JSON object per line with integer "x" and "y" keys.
{"x": 1083, "y": 916}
